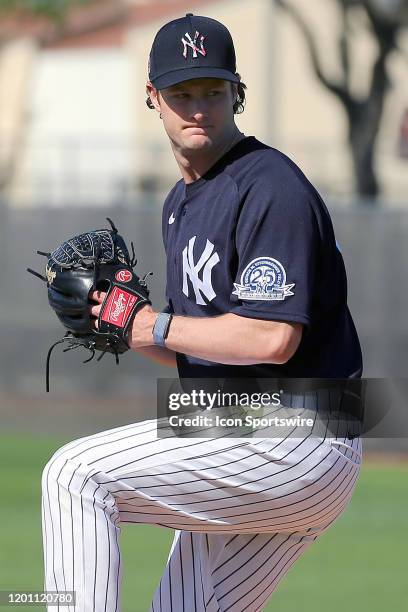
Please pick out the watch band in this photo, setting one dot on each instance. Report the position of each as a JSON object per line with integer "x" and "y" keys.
{"x": 161, "y": 328}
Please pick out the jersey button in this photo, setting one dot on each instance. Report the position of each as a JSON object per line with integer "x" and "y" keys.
{"x": 184, "y": 211}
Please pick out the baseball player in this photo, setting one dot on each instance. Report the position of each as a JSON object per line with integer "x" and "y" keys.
{"x": 256, "y": 287}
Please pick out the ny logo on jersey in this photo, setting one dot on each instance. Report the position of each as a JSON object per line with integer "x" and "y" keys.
{"x": 193, "y": 44}
{"x": 202, "y": 286}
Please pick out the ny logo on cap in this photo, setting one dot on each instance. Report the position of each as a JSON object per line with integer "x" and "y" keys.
{"x": 193, "y": 44}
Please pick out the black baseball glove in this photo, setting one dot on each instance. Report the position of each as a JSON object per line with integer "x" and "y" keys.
{"x": 96, "y": 260}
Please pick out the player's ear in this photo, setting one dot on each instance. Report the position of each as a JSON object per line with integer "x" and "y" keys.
{"x": 153, "y": 97}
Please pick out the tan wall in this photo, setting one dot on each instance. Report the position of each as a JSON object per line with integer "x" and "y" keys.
{"x": 16, "y": 62}
{"x": 392, "y": 169}
{"x": 77, "y": 145}
{"x": 311, "y": 122}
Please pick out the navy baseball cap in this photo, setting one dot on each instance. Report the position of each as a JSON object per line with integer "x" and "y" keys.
{"x": 192, "y": 47}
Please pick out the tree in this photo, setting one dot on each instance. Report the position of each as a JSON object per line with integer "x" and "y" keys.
{"x": 385, "y": 19}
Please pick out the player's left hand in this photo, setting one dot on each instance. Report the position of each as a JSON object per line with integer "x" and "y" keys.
{"x": 96, "y": 262}
{"x": 140, "y": 331}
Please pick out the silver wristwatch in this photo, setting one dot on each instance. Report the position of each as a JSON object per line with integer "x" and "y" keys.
{"x": 161, "y": 328}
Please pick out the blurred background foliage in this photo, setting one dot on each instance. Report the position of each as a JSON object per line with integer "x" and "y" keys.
{"x": 54, "y": 9}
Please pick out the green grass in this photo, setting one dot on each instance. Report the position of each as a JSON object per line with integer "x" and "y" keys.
{"x": 359, "y": 565}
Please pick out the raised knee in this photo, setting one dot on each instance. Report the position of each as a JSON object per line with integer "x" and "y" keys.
{"x": 56, "y": 465}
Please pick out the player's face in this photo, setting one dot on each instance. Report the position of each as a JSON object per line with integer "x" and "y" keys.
{"x": 198, "y": 114}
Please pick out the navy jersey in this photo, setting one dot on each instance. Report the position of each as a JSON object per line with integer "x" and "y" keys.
{"x": 253, "y": 237}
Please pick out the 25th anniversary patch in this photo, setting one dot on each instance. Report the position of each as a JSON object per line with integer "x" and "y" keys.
{"x": 264, "y": 278}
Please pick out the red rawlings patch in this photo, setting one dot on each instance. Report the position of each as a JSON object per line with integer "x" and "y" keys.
{"x": 118, "y": 307}
{"x": 123, "y": 276}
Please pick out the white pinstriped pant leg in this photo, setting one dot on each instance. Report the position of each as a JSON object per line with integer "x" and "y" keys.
{"x": 236, "y": 573}
{"x": 278, "y": 495}
{"x": 240, "y": 576}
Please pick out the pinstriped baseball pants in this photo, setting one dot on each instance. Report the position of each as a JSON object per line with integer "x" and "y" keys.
{"x": 243, "y": 511}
